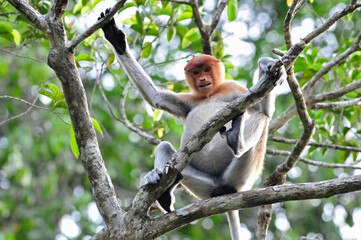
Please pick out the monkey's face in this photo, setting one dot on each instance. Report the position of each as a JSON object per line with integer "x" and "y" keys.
{"x": 202, "y": 79}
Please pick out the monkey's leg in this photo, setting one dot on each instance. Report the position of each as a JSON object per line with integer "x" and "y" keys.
{"x": 163, "y": 154}
{"x": 245, "y": 168}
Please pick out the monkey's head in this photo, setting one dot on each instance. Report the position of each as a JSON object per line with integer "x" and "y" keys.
{"x": 204, "y": 74}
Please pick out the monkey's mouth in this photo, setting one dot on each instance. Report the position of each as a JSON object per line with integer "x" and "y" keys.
{"x": 204, "y": 85}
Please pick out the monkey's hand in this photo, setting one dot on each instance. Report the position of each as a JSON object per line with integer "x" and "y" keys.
{"x": 234, "y": 136}
{"x": 113, "y": 34}
{"x": 273, "y": 69}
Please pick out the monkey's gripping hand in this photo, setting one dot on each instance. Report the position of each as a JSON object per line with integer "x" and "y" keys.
{"x": 167, "y": 199}
{"x": 272, "y": 69}
{"x": 113, "y": 34}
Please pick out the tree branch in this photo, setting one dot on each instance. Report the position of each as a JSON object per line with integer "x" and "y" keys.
{"x": 57, "y": 8}
{"x": 287, "y": 24}
{"x": 330, "y": 21}
{"x": 315, "y": 144}
{"x": 35, "y": 18}
{"x": 339, "y": 104}
{"x": 253, "y": 198}
{"x": 81, "y": 37}
{"x": 311, "y": 162}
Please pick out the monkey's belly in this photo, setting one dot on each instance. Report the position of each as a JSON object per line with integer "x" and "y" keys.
{"x": 215, "y": 155}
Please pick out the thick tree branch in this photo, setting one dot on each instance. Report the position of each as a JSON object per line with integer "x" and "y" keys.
{"x": 35, "y": 18}
{"x": 159, "y": 225}
{"x": 253, "y": 198}
{"x": 57, "y": 8}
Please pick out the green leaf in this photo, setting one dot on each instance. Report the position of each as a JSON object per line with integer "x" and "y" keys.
{"x": 52, "y": 87}
{"x": 185, "y": 15}
{"x": 182, "y": 30}
{"x": 77, "y": 7}
{"x": 46, "y": 93}
{"x": 9, "y": 33}
{"x": 232, "y": 9}
{"x": 59, "y": 96}
{"x": 96, "y": 126}
{"x": 73, "y": 144}
{"x": 61, "y": 104}
{"x": 147, "y": 50}
{"x": 84, "y": 57}
{"x": 171, "y": 32}
{"x": 193, "y": 35}
{"x": 185, "y": 43}
{"x": 157, "y": 115}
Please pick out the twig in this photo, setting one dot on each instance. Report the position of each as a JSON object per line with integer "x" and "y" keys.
{"x": 22, "y": 56}
{"x": 8, "y": 13}
{"x": 339, "y": 104}
{"x": 312, "y": 162}
{"x": 128, "y": 124}
{"x": 27, "y": 110}
{"x": 315, "y": 144}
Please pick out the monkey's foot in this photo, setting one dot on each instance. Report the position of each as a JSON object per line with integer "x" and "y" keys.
{"x": 233, "y": 136}
{"x": 113, "y": 34}
{"x": 153, "y": 176}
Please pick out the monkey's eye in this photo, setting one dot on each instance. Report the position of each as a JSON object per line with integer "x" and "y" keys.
{"x": 195, "y": 72}
{"x": 207, "y": 69}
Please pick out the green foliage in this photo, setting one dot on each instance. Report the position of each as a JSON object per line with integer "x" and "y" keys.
{"x": 52, "y": 91}
{"x": 48, "y": 182}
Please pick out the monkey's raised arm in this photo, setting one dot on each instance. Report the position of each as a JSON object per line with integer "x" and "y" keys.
{"x": 161, "y": 99}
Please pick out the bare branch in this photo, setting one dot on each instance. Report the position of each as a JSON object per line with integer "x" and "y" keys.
{"x": 253, "y": 198}
{"x": 217, "y": 16}
{"x": 312, "y": 162}
{"x": 335, "y": 105}
{"x": 81, "y": 37}
{"x": 22, "y": 56}
{"x": 35, "y": 18}
{"x": 287, "y": 24}
{"x": 28, "y": 110}
{"x": 315, "y": 144}
{"x": 300, "y": 5}
{"x": 128, "y": 124}
{"x": 291, "y": 112}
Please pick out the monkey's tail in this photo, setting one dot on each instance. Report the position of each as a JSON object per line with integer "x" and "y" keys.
{"x": 234, "y": 224}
